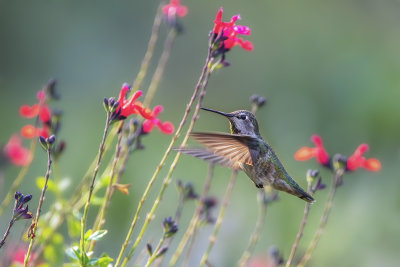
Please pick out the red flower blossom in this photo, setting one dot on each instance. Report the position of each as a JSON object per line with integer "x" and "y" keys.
{"x": 319, "y": 152}
{"x": 41, "y": 109}
{"x": 165, "y": 127}
{"x": 16, "y": 153}
{"x": 128, "y": 107}
{"x": 175, "y": 9}
{"x": 357, "y": 160}
{"x": 29, "y": 131}
{"x": 230, "y": 31}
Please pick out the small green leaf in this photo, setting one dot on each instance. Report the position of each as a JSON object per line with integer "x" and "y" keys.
{"x": 93, "y": 262}
{"x": 88, "y": 234}
{"x": 74, "y": 253}
{"x": 104, "y": 260}
{"x": 98, "y": 235}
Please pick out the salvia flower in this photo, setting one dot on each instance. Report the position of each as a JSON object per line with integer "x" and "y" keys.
{"x": 351, "y": 163}
{"x": 170, "y": 227}
{"x": 127, "y": 107}
{"x": 21, "y": 212}
{"x": 208, "y": 204}
{"x": 165, "y": 127}
{"x": 16, "y": 153}
{"x": 174, "y": 8}
{"x": 226, "y": 34}
{"x": 357, "y": 160}
{"x": 319, "y": 152}
{"x": 187, "y": 190}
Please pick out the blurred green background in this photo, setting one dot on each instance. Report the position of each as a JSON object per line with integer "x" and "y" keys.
{"x": 331, "y": 68}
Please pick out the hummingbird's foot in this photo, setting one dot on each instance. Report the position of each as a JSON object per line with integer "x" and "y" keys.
{"x": 259, "y": 185}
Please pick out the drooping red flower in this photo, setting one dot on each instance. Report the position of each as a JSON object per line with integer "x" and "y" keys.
{"x": 165, "y": 127}
{"x": 357, "y": 160}
{"x": 230, "y": 31}
{"x": 129, "y": 107}
{"x": 319, "y": 152}
{"x": 16, "y": 153}
{"x": 174, "y": 8}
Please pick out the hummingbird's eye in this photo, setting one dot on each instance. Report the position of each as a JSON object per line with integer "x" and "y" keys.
{"x": 243, "y": 117}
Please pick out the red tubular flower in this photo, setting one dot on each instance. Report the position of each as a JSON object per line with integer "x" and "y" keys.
{"x": 128, "y": 107}
{"x": 174, "y": 8}
{"x": 230, "y": 31}
{"x": 165, "y": 127}
{"x": 16, "y": 153}
{"x": 41, "y": 109}
{"x": 29, "y": 131}
{"x": 319, "y": 152}
{"x": 357, "y": 160}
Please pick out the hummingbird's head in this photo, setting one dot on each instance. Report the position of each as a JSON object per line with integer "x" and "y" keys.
{"x": 242, "y": 121}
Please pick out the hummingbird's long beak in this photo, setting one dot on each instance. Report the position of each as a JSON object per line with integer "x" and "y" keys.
{"x": 218, "y": 112}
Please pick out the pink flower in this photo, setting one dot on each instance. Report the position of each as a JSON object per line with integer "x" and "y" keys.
{"x": 319, "y": 152}
{"x": 230, "y": 31}
{"x": 16, "y": 153}
{"x": 128, "y": 107}
{"x": 357, "y": 160}
{"x": 165, "y": 127}
{"x": 174, "y": 9}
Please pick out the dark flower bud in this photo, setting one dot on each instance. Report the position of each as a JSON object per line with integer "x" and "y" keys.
{"x": 318, "y": 185}
{"x": 17, "y": 195}
{"x": 312, "y": 175}
{"x": 210, "y": 202}
{"x": 111, "y": 101}
{"x": 161, "y": 252}
{"x": 51, "y": 89}
{"x": 339, "y": 162}
{"x": 25, "y": 199}
{"x": 261, "y": 101}
{"x": 51, "y": 139}
{"x": 254, "y": 99}
{"x": 170, "y": 227}
{"x": 275, "y": 256}
{"x": 43, "y": 142}
{"x": 149, "y": 249}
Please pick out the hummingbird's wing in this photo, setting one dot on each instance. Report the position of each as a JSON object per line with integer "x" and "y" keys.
{"x": 235, "y": 149}
{"x": 209, "y": 156}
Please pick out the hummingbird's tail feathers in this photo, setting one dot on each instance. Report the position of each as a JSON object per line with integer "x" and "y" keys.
{"x": 209, "y": 156}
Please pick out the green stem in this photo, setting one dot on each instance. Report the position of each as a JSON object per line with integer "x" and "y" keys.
{"x": 225, "y": 202}
{"x": 3, "y": 240}
{"x": 150, "y": 50}
{"x": 155, "y": 252}
{"x": 99, "y": 222}
{"x": 166, "y": 154}
{"x": 262, "y": 211}
{"x": 85, "y": 211}
{"x": 195, "y": 218}
{"x": 301, "y": 229}
{"x": 39, "y": 208}
{"x": 324, "y": 219}
{"x": 155, "y": 81}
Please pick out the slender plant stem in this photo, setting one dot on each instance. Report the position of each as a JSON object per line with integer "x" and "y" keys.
{"x": 221, "y": 215}
{"x": 195, "y": 218}
{"x": 324, "y": 219}
{"x": 167, "y": 179}
{"x": 17, "y": 182}
{"x": 99, "y": 222}
{"x": 155, "y": 252}
{"x": 301, "y": 229}
{"x": 150, "y": 50}
{"x": 96, "y": 169}
{"x": 262, "y": 212}
{"x": 160, "y": 165}
{"x": 3, "y": 240}
{"x": 39, "y": 208}
{"x": 155, "y": 81}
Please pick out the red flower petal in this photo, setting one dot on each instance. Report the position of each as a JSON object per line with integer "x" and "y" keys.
{"x": 45, "y": 114}
{"x": 28, "y": 131}
{"x": 320, "y": 152}
{"x": 166, "y": 127}
{"x": 372, "y": 165}
{"x": 16, "y": 153}
{"x": 28, "y": 111}
{"x": 218, "y": 21}
{"x": 148, "y": 126}
{"x": 304, "y": 153}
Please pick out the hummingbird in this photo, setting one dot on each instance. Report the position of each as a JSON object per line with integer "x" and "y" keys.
{"x": 245, "y": 149}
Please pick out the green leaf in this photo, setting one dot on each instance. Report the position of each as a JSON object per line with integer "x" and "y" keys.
{"x": 51, "y": 186}
{"x": 104, "y": 260}
{"x": 74, "y": 253}
{"x": 98, "y": 235}
{"x": 88, "y": 234}
{"x": 93, "y": 262}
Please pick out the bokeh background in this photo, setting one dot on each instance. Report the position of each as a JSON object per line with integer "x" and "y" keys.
{"x": 331, "y": 68}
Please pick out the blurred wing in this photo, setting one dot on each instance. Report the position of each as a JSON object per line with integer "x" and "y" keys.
{"x": 210, "y": 157}
{"x": 233, "y": 148}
